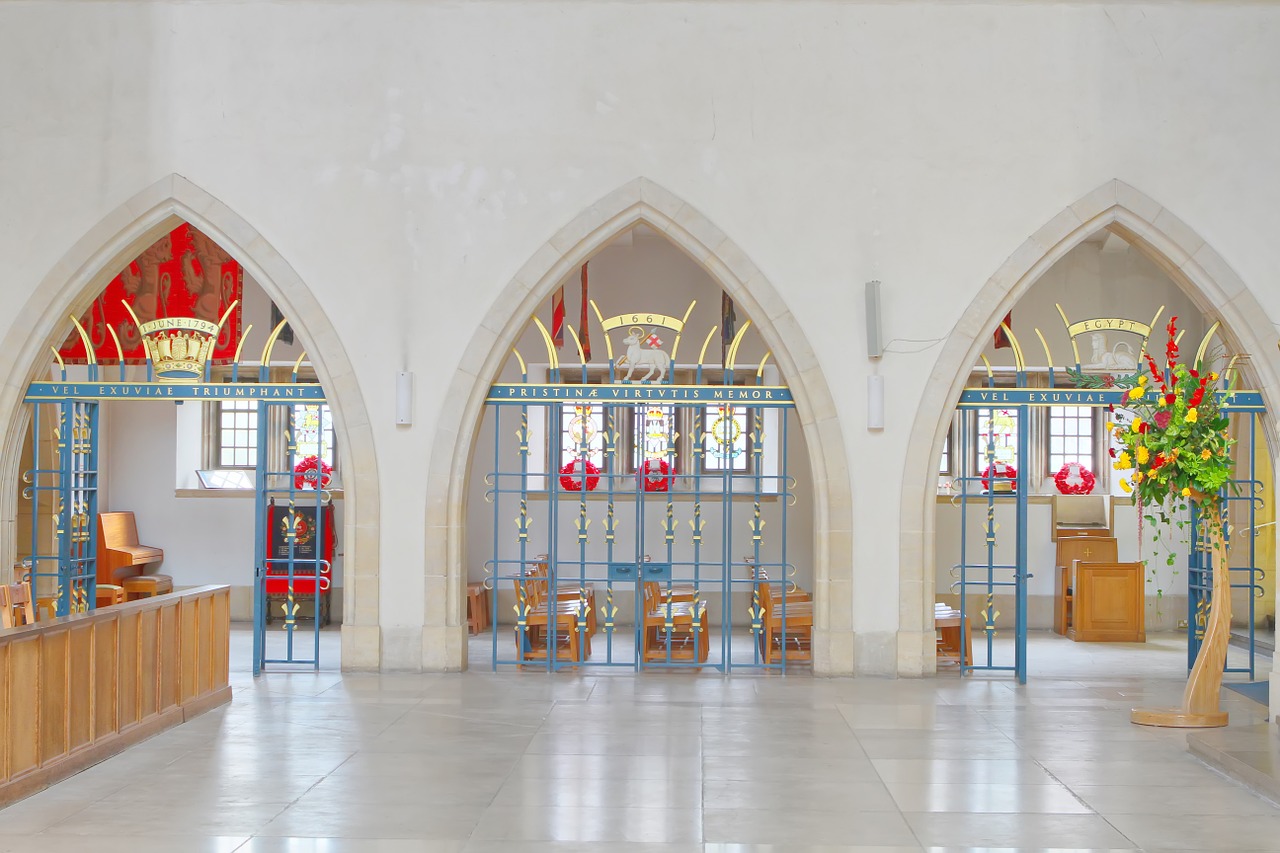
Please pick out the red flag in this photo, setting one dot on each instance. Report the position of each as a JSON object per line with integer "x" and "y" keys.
{"x": 1002, "y": 340}
{"x": 557, "y": 317}
{"x": 583, "y": 332}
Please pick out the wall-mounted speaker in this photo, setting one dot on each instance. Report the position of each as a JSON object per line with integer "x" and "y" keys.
{"x": 404, "y": 398}
{"x": 875, "y": 338}
{"x": 875, "y": 401}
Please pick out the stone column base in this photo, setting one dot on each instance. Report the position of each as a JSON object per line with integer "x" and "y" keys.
{"x": 832, "y": 653}
{"x": 361, "y": 648}
{"x": 917, "y": 653}
{"x": 444, "y": 648}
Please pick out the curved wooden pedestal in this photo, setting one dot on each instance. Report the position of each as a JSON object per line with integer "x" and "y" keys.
{"x": 1200, "y": 702}
{"x": 1177, "y": 718}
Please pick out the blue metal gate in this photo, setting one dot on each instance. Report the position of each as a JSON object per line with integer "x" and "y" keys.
{"x": 293, "y": 503}
{"x": 294, "y": 529}
{"x": 980, "y": 490}
{"x": 629, "y": 515}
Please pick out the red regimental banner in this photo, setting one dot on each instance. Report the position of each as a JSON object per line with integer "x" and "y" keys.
{"x": 183, "y": 274}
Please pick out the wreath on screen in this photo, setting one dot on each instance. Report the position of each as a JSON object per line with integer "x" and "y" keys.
{"x": 311, "y": 472}
{"x": 1074, "y": 479}
{"x": 571, "y": 483}
{"x": 1000, "y": 470}
{"x": 655, "y": 475}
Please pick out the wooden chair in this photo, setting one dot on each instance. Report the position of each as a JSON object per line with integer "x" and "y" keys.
{"x": 540, "y": 614}
{"x": 787, "y": 625}
{"x": 16, "y": 604}
{"x": 675, "y": 625}
{"x": 954, "y": 638}
{"x": 477, "y": 608}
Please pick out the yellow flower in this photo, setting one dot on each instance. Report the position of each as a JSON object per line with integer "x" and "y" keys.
{"x": 1186, "y": 493}
{"x": 1159, "y": 400}
{"x": 1124, "y": 461}
{"x": 1137, "y": 476}
{"x": 1143, "y": 454}
{"x": 1192, "y": 415}
{"x": 1213, "y": 377}
{"x": 1110, "y": 426}
{"x": 1124, "y": 484}
{"x": 1135, "y": 393}
{"x": 1136, "y": 426}
{"x": 1142, "y": 380}
{"x": 1205, "y": 454}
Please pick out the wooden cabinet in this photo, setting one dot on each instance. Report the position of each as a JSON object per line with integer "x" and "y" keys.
{"x": 1107, "y": 603}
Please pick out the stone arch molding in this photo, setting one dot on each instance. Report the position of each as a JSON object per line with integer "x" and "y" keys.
{"x": 1164, "y": 238}
{"x": 91, "y": 263}
{"x": 641, "y": 200}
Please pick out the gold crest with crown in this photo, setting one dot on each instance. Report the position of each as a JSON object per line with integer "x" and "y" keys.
{"x": 179, "y": 347}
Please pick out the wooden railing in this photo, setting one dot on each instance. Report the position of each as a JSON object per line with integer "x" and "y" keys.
{"x": 81, "y": 688}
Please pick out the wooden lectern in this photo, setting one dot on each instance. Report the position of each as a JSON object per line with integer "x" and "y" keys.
{"x": 1097, "y": 598}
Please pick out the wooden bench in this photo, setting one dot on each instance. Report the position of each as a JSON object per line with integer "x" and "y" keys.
{"x": 123, "y": 562}
{"x": 955, "y": 640}
{"x": 16, "y": 605}
{"x": 675, "y": 625}
{"x": 787, "y": 624}
{"x": 539, "y": 611}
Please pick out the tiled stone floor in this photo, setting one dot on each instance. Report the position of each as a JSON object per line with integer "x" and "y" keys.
{"x": 310, "y": 762}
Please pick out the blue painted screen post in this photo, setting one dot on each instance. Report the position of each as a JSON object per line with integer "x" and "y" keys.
{"x": 1240, "y": 502}
{"x": 67, "y": 572}
{"x": 279, "y": 502}
{"x": 671, "y": 553}
{"x": 981, "y": 575}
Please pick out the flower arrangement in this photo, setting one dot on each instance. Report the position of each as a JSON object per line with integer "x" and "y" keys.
{"x": 310, "y": 471}
{"x": 1074, "y": 479}
{"x": 1177, "y": 442}
{"x": 573, "y": 483}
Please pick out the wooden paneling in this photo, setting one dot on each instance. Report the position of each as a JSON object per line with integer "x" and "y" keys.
{"x": 24, "y": 705}
{"x": 105, "y": 678}
{"x": 54, "y": 696}
{"x": 127, "y": 689}
{"x": 169, "y": 661}
{"x": 80, "y": 661}
{"x": 78, "y": 689}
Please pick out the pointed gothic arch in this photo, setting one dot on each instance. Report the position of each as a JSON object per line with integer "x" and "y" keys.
{"x": 639, "y": 201}
{"x": 1164, "y": 239}
{"x": 93, "y": 261}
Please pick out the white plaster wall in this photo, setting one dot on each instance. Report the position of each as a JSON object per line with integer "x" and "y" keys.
{"x": 408, "y": 158}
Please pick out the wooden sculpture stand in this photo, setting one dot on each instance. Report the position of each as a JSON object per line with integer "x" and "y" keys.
{"x": 1200, "y": 702}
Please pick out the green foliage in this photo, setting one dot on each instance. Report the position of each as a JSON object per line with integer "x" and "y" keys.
{"x": 1177, "y": 444}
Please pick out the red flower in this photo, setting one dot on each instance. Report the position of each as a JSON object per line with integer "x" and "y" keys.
{"x": 1162, "y": 418}
{"x": 1155, "y": 372}
{"x": 1170, "y": 399}
{"x": 1142, "y": 428}
{"x": 1171, "y": 348}
{"x": 1195, "y": 374}
{"x": 1196, "y": 398}
{"x": 1112, "y": 451}
{"x": 1158, "y": 461}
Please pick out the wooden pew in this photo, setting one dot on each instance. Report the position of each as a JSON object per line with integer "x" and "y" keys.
{"x": 675, "y": 625}
{"x": 122, "y": 561}
{"x": 787, "y": 628}
{"x": 569, "y": 615}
